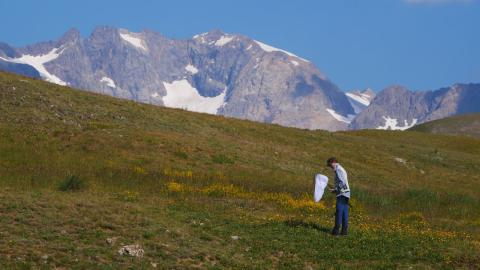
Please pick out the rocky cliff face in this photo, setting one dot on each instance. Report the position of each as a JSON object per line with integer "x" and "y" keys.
{"x": 214, "y": 72}
{"x": 397, "y": 108}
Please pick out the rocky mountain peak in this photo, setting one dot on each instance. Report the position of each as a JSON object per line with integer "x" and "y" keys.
{"x": 71, "y": 36}
{"x": 227, "y": 74}
{"x": 396, "y": 107}
{"x": 369, "y": 93}
{"x": 393, "y": 90}
{"x": 104, "y": 34}
{"x": 360, "y": 99}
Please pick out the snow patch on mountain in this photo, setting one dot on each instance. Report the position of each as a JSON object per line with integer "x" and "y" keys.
{"x": 180, "y": 94}
{"x": 367, "y": 96}
{"x": 340, "y": 117}
{"x": 392, "y": 124}
{"x": 108, "y": 81}
{"x": 192, "y": 69}
{"x": 200, "y": 37}
{"x": 134, "y": 41}
{"x": 223, "y": 40}
{"x": 38, "y": 62}
{"x": 269, "y": 48}
{"x": 360, "y": 98}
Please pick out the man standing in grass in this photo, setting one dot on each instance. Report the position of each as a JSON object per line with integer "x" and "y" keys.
{"x": 342, "y": 190}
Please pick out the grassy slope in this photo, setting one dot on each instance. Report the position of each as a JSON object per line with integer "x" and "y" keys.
{"x": 467, "y": 125}
{"x": 180, "y": 184}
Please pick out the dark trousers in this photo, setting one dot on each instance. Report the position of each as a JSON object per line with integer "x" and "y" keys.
{"x": 341, "y": 215}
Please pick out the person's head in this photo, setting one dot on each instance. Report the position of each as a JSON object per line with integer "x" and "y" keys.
{"x": 331, "y": 162}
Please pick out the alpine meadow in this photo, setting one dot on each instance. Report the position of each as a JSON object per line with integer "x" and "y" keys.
{"x": 83, "y": 175}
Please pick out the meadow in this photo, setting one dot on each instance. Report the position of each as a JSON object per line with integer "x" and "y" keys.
{"x": 464, "y": 124}
{"x": 82, "y": 175}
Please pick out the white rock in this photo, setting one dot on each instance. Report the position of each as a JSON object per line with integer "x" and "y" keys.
{"x": 132, "y": 250}
{"x": 401, "y": 160}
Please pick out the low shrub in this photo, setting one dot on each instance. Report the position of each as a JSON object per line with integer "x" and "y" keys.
{"x": 72, "y": 183}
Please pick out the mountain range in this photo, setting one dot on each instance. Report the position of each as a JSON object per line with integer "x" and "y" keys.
{"x": 398, "y": 108}
{"x": 226, "y": 74}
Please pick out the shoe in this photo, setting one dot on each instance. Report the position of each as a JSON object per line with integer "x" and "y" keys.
{"x": 344, "y": 232}
{"x": 335, "y": 232}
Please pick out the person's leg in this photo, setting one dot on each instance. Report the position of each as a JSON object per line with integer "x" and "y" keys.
{"x": 338, "y": 216}
{"x": 345, "y": 216}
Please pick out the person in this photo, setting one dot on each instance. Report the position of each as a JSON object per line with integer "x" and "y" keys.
{"x": 342, "y": 189}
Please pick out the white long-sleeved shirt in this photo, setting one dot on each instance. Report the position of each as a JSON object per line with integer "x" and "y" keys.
{"x": 341, "y": 182}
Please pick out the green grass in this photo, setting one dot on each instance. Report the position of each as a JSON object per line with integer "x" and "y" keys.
{"x": 181, "y": 184}
{"x": 464, "y": 125}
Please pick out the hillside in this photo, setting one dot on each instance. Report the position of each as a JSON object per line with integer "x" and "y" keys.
{"x": 466, "y": 125}
{"x": 203, "y": 191}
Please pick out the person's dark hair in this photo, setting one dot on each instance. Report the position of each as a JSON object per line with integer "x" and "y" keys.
{"x": 331, "y": 160}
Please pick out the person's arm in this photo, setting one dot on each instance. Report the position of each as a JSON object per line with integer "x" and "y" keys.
{"x": 335, "y": 185}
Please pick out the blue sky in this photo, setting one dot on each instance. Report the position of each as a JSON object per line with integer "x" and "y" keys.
{"x": 421, "y": 44}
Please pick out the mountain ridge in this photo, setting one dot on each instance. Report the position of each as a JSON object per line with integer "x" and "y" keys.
{"x": 397, "y": 107}
{"x": 258, "y": 82}
{"x": 227, "y": 74}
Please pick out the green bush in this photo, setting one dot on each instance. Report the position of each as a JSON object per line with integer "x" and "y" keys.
{"x": 72, "y": 183}
{"x": 222, "y": 159}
